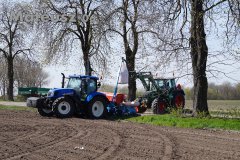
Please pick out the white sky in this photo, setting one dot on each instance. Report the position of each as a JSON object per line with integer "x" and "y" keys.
{"x": 72, "y": 67}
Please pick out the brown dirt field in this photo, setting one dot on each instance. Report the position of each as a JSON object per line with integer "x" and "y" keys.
{"x": 28, "y": 136}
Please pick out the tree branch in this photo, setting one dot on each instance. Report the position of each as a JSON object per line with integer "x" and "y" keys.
{"x": 214, "y": 5}
{"x": 4, "y": 52}
{"x": 21, "y": 51}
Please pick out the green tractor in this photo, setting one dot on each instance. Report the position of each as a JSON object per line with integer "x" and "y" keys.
{"x": 161, "y": 94}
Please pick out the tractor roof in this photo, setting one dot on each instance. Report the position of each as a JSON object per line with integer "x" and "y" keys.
{"x": 83, "y": 76}
{"x": 161, "y": 78}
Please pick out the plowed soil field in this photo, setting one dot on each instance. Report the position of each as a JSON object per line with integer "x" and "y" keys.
{"x": 27, "y": 135}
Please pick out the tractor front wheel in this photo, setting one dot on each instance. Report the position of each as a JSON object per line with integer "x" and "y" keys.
{"x": 141, "y": 109}
{"x": 45, "y": 112}
{"x": 158, "y": 106}
{"x": 97, "y": 108}
{"x": 63, "y": 107}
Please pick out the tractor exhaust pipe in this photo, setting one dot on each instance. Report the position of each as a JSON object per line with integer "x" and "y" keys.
{"x": 63, "y": 79}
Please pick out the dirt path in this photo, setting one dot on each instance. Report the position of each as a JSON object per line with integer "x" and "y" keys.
{"x": 26, "y": 135}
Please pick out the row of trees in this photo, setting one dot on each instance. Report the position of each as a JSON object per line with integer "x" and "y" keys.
{"x": 172, "y": 30}
{"x": 225, "y": 91}
{"x": 27, "y": 73}
{"x": 17, "y": 44}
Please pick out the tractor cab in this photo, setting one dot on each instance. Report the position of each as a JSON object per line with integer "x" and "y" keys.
{"x": 156, "y": 84}
{"x": 83, "y": 84}
{"x": 78, "y": 85}
{"x": 165, "y": 83}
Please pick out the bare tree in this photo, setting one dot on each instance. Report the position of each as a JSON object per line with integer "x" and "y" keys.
{"x": 12, "y": 40}
{"x": 29, "y": 73}
{"x": 83, "y": 27}
{"x": 3, "y": 78}
{"x": 135, "y": 21}
{"x": 193, "y": 15}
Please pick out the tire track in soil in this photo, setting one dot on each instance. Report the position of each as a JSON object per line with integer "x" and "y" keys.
{"x": 167, "y": 141}
{"x": 20, "y": 154}
{"x": 26, "y": 133}
{"x": 109, "y": 153}
{"x": 90, "y": 144}
{"x": 113, "y": 140}
{"x": 218, "y": 144}
{"x": 80, "y": 135}
{"x": 208, "y": 143}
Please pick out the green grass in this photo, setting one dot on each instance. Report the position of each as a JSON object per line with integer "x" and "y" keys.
{"x": 170, "y": 119}
{"x": 188, "y": 122}
{"x": 18, "y": 108}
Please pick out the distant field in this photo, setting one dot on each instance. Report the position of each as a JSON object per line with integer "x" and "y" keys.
{"x": 216, "y": 105}
{"x": 221, "y": 108}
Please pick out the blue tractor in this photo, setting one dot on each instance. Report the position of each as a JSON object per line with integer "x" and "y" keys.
{"x": 79, "y": 96}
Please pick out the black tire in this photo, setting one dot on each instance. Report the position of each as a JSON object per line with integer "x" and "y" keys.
{"x": 147, "y": 96}
{"x": 178, "y": 101}
{"x": 63, "y": 107}
{"x": 45, "y": 112}
{"x": 141, "y": 109}
{"x": 158, "y": 106}
{"x": 97, "y": 108}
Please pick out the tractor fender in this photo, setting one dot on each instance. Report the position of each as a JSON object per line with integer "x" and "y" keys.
{"x": 95, "y": 94}
{"x": 74, "y": 98}
{"x": 69, "y": 96}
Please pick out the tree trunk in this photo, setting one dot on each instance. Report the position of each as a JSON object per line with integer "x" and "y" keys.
{"x": 199, "y": 53}
{"x": 130, "y": 61}
{"x": 10, "y": 78}
{"x": 4, "y": 89}
{"x": 87, "y": 64}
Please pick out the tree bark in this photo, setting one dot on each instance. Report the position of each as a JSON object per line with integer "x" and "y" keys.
{"x": 10, "y": 78}
{"x": 199, "y": 53}
{"x": 130, "y": 61}
{"x": 130, "y": 52}
{"x": 87, "y": 64}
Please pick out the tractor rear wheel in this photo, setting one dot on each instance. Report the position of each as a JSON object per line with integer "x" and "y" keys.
{"x": 179, "y": 101}
{"x": 63, "y": 107}
{"x": 158, "y": 106}
{"x": 97, "y": 108}
{"x": 45, "y": 112}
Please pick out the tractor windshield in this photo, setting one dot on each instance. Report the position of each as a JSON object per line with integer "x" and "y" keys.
{"x": 160, "y": 83}
{"x": 74, "y": 83}
{"x": 165, "y": 83}
{"x": 89, "y": 85}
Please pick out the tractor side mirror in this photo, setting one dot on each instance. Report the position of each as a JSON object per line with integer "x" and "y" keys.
{"x": 99, "y": 84}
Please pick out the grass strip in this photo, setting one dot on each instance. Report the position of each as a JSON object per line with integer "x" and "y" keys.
{"x": 168, "y": 120}
{"x": 17, "y": 108}
{"x": 188, "y": 122}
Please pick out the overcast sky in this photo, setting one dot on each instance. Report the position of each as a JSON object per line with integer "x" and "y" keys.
{"x": 73, "y": 67}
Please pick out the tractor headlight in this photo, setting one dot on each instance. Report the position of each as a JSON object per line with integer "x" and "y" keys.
{"x": 50, "y": 94}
